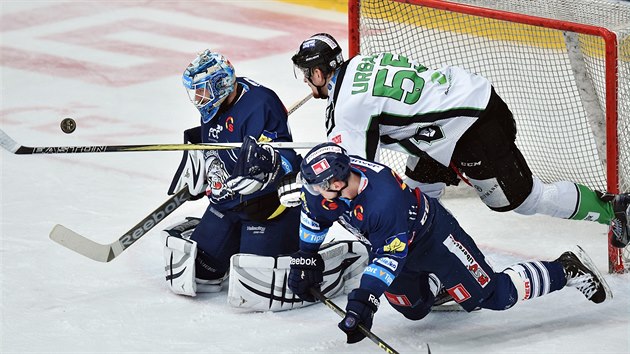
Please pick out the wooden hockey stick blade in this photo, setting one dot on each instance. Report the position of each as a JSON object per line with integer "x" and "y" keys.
{"x": 7, "y": 143}
{"x": 105, "y": 253}
{"x": 82, "y": 245}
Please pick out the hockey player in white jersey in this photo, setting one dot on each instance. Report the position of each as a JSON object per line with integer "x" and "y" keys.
{"x": 448, "y": 120}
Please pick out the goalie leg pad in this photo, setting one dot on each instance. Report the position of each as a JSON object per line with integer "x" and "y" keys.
{"x": 179, "y": 256}
{"x": 259, "y": 283}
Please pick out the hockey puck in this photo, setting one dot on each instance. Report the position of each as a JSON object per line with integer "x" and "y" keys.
{"x": 68, "y": 125}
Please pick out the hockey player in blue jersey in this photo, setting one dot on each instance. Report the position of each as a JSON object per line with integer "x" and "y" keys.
{"x": 245, "y": 214}
{"x": 415, "y": 244}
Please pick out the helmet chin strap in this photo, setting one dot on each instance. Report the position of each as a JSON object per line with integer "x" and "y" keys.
{"x": 319, "y": 89}
{"x": 338, "y": 193}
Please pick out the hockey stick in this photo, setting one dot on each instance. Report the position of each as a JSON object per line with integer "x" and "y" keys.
{"x": 105, "y": 253}
{"x": 366, "y": 332}
{"x": 12, "y": 146}
{"x": 299, "y": 104}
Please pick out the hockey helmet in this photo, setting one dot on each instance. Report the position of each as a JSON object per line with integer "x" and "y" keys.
{"x": 319, "y": 51}
{"x": 209, "y": 79}
{"x": 324, "y": 164}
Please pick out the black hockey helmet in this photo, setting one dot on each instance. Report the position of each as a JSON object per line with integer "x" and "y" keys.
{"x": 319, "y": 51}
{"x": 324, "y": 164}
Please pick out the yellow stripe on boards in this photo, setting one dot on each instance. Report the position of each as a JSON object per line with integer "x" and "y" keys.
{"x": 476, "y": 26}
{"x": 334, "y": 5}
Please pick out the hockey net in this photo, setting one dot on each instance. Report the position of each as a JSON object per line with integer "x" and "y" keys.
{"x": 560, "y": 65}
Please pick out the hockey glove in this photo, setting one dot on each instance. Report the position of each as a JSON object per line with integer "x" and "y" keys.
{"x": 360, "y": 309}
{"x": 426, "y": 170}
{"x": 307, "y": 271}
{"x": 289, "y": 190}
{"x": 256, "y": 166}
{"x": 620, "y": 223}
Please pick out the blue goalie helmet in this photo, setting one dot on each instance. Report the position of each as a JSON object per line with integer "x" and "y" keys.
{"x": 209, "y": 79}
{"x": 324, "y": 164}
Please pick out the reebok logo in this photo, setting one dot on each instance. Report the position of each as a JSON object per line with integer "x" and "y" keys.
{"x": 304, "y": 261}
{"x": 374, "y": 300}
{"x": 149, "y": 222}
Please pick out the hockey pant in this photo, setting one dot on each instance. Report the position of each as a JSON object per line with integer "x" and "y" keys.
{"x": 447, "y": 251}
{"x": 220, "y": 235}
{"x": 489, "y": 158}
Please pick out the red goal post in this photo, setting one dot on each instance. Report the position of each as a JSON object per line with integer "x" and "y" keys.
{"x": 561, "y": 67}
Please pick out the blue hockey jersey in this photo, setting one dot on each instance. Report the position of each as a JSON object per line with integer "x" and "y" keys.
{"x": 258, "y": 112}
{"x": 386, "y": 214}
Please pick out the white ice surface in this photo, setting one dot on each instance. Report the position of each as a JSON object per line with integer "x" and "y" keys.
{"x": 55, "y": 301}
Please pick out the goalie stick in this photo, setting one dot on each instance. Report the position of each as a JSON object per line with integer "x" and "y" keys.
{"x": 106, "y": 252}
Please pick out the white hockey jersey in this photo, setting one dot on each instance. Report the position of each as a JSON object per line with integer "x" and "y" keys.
{"x": 390, "y": 101}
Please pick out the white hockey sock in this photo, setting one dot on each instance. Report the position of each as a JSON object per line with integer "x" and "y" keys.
{"x": 531, "y": 279}
{"x": 558, "y": 199}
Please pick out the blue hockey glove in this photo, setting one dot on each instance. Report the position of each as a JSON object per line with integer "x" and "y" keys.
{"x": 256, "y": 166}
{"x": 307, "y": 271}
{"x": 360, "y": 309}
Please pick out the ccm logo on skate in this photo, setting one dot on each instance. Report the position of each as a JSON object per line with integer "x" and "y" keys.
{"x": 153, "y": 220}
{"x": 303, "y": 261}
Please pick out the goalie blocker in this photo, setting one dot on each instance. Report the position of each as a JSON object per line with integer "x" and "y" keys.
{"x": 258, "y": 283}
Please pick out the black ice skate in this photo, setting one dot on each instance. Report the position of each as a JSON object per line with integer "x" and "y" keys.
{"x": 620, "y": 225}
{"x": 582, "y": 274}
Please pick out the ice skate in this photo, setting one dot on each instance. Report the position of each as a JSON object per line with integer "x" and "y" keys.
{"x": 582, "y": 274}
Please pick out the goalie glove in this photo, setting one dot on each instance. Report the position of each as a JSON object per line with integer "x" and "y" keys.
{"x": 192, "y": 173}
{"x": 256, "y": 167}
{"x": 289, "y": 190}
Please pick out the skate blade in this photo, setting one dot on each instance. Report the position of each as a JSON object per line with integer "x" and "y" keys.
{"x": 584, "y": 258}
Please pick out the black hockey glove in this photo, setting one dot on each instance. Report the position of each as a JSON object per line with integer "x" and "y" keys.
{"x": 256, "y": 167}
{"x": 360, "y": 309}
{"x": 289, "y": 190}
{"x": 307, "y": 271}
{"x": 427, "y": 170}
{"x": 620, "y": 224}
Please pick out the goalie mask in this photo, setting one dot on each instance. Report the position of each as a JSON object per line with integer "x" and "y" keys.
{"x": 323, "y": 165}
{"x": 209, "y": 79}
{"x": 319, "y": 51}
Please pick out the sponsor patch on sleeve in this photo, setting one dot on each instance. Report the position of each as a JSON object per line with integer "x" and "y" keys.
{"x": 379, "y": 273}
{"x": 308, "y": 222}
{"x": 388, "y": 263}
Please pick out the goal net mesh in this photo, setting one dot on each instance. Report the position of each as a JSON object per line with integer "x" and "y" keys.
{"x": 553, "y": 80}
